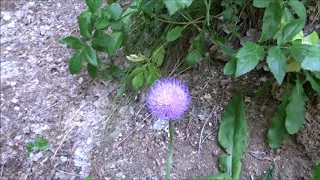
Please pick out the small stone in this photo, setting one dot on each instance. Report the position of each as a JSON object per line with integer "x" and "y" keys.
{"x": 224, "y": 82}
{"x": 14, "y": 100}
{"x": 207, "y": 96}
{"x": 16, "y": 108}
{"x": 9, "y": 48}
{"x": 210, "y": 124}
{"x": 80, "y": 80}
{"x": 63, "y": 159}
{"x": 318, "y": 106}
{"x": 263, "y": 79}
{"x": 6, "y": 16}
{"x": 214, "y": 91}
{"x": 247, "y": 99}
{"x": 266, "y": 68}
{"x": 120, "y": 135}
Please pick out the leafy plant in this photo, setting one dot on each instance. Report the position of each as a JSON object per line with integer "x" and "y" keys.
{"x": 316, "y": 172}
{"x": 38, "y": 144}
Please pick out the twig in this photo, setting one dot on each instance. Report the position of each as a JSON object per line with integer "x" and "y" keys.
{"x": 200, "y": 139}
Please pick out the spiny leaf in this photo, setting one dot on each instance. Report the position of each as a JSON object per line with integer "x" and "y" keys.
{"x": 75, "y": 63}
{"x": 174, "y": 5}
{"x": 248, "y": 57}
{"x": 296, "y": 109}
{"x": 174, "y": 33}
{"x": 72, "y": 42}
{"x": 271, "y": 20}
{"x": 277, "y": 132}
{"x": 277, "y": 63}
{"x": 233, "y": 134}
{"x": 312, "y": 60}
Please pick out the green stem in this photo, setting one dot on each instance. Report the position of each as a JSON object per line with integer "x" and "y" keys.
{"x": 169, "y": 162}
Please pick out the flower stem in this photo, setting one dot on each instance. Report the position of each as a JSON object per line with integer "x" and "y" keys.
{"x": 170, "y": 154}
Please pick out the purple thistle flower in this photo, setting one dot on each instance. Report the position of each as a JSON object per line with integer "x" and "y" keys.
{"x": 168, "y": 99}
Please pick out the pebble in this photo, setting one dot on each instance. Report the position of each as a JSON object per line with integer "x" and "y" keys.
{"x": 247, "y": 99}
{"x": 214, "y": 91}
{"x": 263, "y": 79}
{"x": 207, "y": 96}
{"x": 318, "y": 106}
{"x": 14, "y": 100}
{"x": 13, "y": 83}
{"x": 63, "y": 158}
{"x": 16, "y": 108}
{"x": 6, "y": 16}
{"x": 120, "y": 135}
{"x": 80, "y": 80}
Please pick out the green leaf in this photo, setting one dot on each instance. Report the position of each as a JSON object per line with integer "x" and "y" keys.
{"x": 287, "y": 15}
{"x": 277, "y": 63}
{"x": 261, "y": 3}
{"x": 136, "y": 58}
{"x": 94, "y": 5}
{"x": 75, "y": 63}
{"x": 230, "y": 67}
{"x": 117, "y": 39}
{"x": 299, "y": 8}
{"x": 198, "y": 42}
{"x": 269, "y": 174}
{"x": 312, "y": 39}
{"x": 112, "y": 71}
{"x": 158, "y": 55}
{"x": 193, "y": 57}
{"x": 117, "y": 25}
{"x": 293, "y": 66}
{"x": 233, "y": 134}
{"x": 271, "y": 21}
{"x": 174, "y": 5}
{"x": 89, "y": 178}
{"x": 299, "y": 51}
{"x": 101, "y": 23}
{"x": 111, "y": 1}
{"x": 92, "y": 70}
{"x": 85, "y": 26}
{"x": 90, "y": 55}
{"x": 137, "y": 81}
{"x": 315, "y": 83}
{"x": 317, "y": 74}
{"x": 248, "y": 57}
{"x": 72, "y": 42}
{"x": 277, "y": 132}
{"x": 41, "y": 143}
{"x": 265, "y": 88}
{"x": 312, "y": 60}
{"x": 296, "y": 109}
{"x": 219, "y": 176}
{"x": 174, "y": 33}
{"x": 290, "y": 30}
{"x": 106, "y": 13}
{"x": 116, "y": 10}
{"x": 316, "y": 172}
{"x": 29, "y": 148}
{"x": 220, "y": 42}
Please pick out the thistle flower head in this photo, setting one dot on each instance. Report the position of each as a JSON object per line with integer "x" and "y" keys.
{"x": 168, "y": 99}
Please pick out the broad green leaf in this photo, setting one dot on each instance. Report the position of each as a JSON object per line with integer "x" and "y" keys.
{"x": 315, "y": 83}
{"x": 85, "y": 26}
{"x": 89, "y": 178}
{"x": 261, "y": 3}
{"x": 136, "y": 71}
{"x": 117, "y": 38}
{"x": 317, "y": 74}
{"x": 265, "y": 88}
{"x": 174, "y": 33}
{"x": 299, "y": 8}
{"x": 193, "y": 57}
{"x": 299, "y": 51}
{"x": 312, "y": 60}
{"x": 111, "y": 1}
{"x": 198, "y": 42}
{"x": 296, "y": 109}
{"x": 92, "y": 71}
{"x": 137, "y": 81}
{"x": 112, "y": 71}
{"x": 95, "y": 16}
{"x": 269, "y": 174}
{"x": 312, "y": 39}
{"x": 41, "y": 143}
{"x": 174, "y": 5}
{"x": 248, "y": 57}
{"x": 219, "y": 176}
{"x": 230, "y": 67}
{"x": 293, "y": 66}
{"x": 290, "y": 30}
{"x": 287, "y": 15}
{"x": 316, "y": 172}
{"x": 233, "y": 134}
{"x": 117, "y": 24}
{"x": 277, "y": 132}
{"x": 94, "y": 5}
{"x": 106, "y": 13}
{"x": 116, "y": 10}
{"x": 101, "y": 23}
{"x": 158, "y": 55}
{"x": 75, "y": 63}
{"x": 72, "y": 42}
{"x": 90, "y": 55}
{"x": 271, "y": 20}
{"x": 223, "y": 162}
{"x": 136, "y": 58}
{"x": 277, "y": 63}
{"x": 220, "y": 42}
{"x": 299, "y": 36}
{"x": 153, "y": 70}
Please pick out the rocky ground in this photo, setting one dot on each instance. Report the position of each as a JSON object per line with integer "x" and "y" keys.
{"x": 92, "y": 133}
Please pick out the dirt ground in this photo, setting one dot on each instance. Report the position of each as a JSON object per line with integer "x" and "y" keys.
{"x": 92, "y": 133}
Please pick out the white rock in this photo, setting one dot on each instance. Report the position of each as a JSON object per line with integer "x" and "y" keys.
{"x": 89, "y": 140}
{"x": 80, "y": 80}
{"x": 16, "y": 108}
{"x": 14, "y": 100}
{"x": 63, "y": 158}
{"x": 207, "y": 96}
{"x": 6, "y": 16}
{"x": 11, "y": 25}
